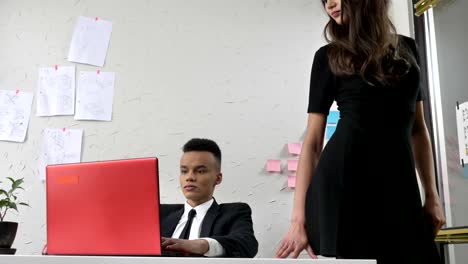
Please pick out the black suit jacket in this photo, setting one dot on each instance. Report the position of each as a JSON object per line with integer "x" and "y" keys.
{"x": 230, "y": 224}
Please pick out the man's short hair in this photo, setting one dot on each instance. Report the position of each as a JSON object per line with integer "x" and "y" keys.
{"x": 203, "y": 144}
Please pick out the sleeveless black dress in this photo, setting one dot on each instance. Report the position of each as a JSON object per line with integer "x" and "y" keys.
{"x": 363, "y": 201}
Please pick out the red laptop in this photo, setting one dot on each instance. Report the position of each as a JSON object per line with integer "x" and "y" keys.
{"x": 103, "y": 208}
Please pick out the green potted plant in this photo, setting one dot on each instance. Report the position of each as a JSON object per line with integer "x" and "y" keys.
{"x": 9, "y": 201}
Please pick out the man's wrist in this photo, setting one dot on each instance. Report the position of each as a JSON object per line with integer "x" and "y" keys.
{"x": 215, "y": 249}
{"x": 203, "y": 246}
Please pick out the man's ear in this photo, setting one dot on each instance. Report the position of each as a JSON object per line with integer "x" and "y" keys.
{"x": 219, "y": 178}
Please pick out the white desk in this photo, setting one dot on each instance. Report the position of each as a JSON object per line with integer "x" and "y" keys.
{"x": 5, "y": 259}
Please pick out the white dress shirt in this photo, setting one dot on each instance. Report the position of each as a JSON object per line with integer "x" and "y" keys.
{"x": 215, "y": 248}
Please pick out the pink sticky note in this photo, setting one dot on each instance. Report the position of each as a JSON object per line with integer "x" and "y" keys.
{"x": 274, "y": 165}
{"x": 291, "y": 181}
{"x": 294, "y": 148}
{"x": 292, "y": 165}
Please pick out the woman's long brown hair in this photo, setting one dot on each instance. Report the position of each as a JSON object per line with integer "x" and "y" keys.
{"x": 366, "y": 43}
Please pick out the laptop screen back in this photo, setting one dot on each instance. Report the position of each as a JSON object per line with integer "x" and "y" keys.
{"x": 103, "y": 208}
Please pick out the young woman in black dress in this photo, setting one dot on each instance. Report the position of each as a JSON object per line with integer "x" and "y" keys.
{"x": 359, "y": 198}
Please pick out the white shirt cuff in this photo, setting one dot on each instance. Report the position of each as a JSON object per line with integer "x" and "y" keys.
{"x": 215, "y": 248}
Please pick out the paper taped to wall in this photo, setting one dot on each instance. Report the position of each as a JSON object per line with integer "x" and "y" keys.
{"x": 61, "y": 146}
{"x": 94, "y": 96}
{"x": 90, "y": 41}
{"x": 462, "y": 131}
{"x": 15, "y": 110}
{"x": 56, "y": 91}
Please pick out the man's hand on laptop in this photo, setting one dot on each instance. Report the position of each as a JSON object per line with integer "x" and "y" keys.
{"x": 196, "y": 246}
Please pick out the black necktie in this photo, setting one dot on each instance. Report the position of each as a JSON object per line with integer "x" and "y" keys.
{"x": 186, "y": 232}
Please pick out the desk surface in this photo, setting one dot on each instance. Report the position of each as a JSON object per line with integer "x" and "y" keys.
{"x": 4, "y": 259}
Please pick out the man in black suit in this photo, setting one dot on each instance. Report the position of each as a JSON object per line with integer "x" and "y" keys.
{"x": 202, "y": 226}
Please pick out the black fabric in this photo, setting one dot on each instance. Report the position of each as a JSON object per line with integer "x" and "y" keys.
{"x": 230, "y": 224}
{"x": 186, "y": 231}
{"x": 363, "y": 201}
{"x": 322, "y": 84}
{"x": 412, "y": 49}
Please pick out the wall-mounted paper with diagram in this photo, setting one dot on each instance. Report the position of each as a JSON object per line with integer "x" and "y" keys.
{"x": 462, "y": 130}
{"x": 15, "y": 109}
{"x": 61, "y": 146}
{"x": 56, "y": 91}
{"x": 90, "y": 41}
{"x": 94, "y": 96}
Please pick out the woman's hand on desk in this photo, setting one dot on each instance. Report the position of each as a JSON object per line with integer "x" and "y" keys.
{"x": 196, "y": 246}
{"x": 294, "y": 242}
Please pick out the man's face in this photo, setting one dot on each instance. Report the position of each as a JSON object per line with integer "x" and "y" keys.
{"x": 199, "y": 174}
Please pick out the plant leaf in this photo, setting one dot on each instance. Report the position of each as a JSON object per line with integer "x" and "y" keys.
{"x": 11, "y": 179}
{"x": 17, "y": 183}
{"x": 9, "y": 202}
{"x": 4, "y": 203}
{"x": 13, "y": 206}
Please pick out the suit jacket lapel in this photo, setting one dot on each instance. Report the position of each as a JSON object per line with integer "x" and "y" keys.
{"x": 171, "y": 223}
{"x": 210, "y": 217}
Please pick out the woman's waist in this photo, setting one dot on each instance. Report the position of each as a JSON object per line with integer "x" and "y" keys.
{"x": 374, "y": 133}
{"x": 375, "y": 126}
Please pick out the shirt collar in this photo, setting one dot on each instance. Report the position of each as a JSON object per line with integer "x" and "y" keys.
{"x": 201, "y": 209}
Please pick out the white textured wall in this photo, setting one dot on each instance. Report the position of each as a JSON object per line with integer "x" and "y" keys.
{"x": 402, "y": 14}
{"x": 236, "y": 71}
